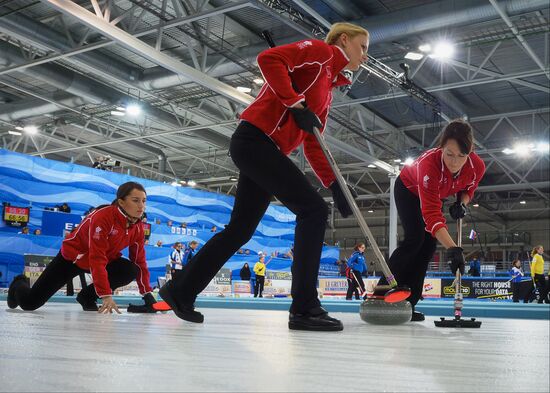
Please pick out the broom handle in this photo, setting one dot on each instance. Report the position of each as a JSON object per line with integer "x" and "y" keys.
{"x": 355, "y": 209}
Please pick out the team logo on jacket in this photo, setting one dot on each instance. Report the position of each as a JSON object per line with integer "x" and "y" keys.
{"x": 114, "y": 232}
{"x": 425, "y": 181}
{"x": 97, "y": 232}
{"x": 304, "y": 44}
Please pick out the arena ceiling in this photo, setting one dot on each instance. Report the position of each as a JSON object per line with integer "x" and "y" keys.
{"x": 66, "y": 66}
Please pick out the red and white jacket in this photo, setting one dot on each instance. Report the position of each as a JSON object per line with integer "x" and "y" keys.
{"x": 429, "y": 179}
{"x": 305, "y": 70}
{"x": 99, "y": 239}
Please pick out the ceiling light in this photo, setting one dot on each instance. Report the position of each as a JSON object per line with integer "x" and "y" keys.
{"x": 371, "y": 166}
{"x": 118, "y": 113}
{"x": 370, "y": 211}
{"x": 19, "y": 128}
{"x": 409, "y": 161}
{"x": 191, "y": 183}
{"x": 443, "y": 50}
{"x": 259, "y": 81}
{"x": 121, "y": 108}
{"x": 243, "y": 89}
{"x": 522, "y": 149}
{"x": 175, "y": 184}
{"x": 16, "y": 133}
{"x": 183, "y": 182}
{"x": 414, "y": 56}
{"x": 543, "y": 147}
{"x": 508, "y": 151}
{"x": 397, "y": 160}
{"x": 475, "y": 205}
{"x": 425, "y": 48}
{"x": 522, "y": 202}
{"x": 233, "y": 178}
{"x": 31, "y": 130}
{"x": 133, "y": 109}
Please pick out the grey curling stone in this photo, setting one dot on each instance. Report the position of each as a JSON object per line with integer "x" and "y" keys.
{"x": 378, "y": 312}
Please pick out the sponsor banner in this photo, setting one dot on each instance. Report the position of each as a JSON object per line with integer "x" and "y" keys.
{"x": 220, "y": 284}
{"x": 272, "y": 275}
{"x": 241, "y": 288}
{"x": 58, "y": 224}
{"x": 339, "y": 286}
{"x": 277, "y": 287}
{"x": 479, "y": 289}
{"x": 432, "y": 288}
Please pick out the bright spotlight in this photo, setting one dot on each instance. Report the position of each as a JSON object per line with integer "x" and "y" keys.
{"x": 31, "y": 130}
{"x": 425, "y": 48}
{"x": 133, "y": 109}
{"x": 371, "y": 166}
{"x": 15, "y": 133}
{"x": 475, "y": 205}
{"x": 259, "y": 81}
{"x": 118, "y": 113}
{"x": 443, "y": 50}
{"x": 175, "y": 184}
{"x": 191, "y": 183}
{"x": 397, "y": 160}
{"x": 243, "y": 89}
{"x": 414, "y": 56}
{"x": 409, "y": 161}
{"x": 508, "y": 151}
{"x": 522, "y": 150}
{"x": 522, "y": 202}
{"x": 370, "y": 211}
{"x": 543, "y": 147}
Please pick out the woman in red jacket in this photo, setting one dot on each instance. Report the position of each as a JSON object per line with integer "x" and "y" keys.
{"x": 450, "y": 169}
{"x": 295, "y": 98}
{"x": 95, "y": 246}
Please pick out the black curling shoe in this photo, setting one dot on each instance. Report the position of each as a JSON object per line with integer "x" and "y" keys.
{"x": 186, "y": 312}
{"x": 87, "y": 304}
{"x": 316, "y": 319}
{"x": 417, "y": 316}
{"x": 17, "y": 280}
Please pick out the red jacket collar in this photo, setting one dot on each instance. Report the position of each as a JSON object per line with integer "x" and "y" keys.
{"x": 339, "y": 62}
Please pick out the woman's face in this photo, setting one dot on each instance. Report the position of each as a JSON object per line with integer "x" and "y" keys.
{"x": 453, "y": 158}
{"x": 540, "y": 250}
{"x": 361, "y": 248}
{"x": 262, "y": 258}
{"x": 356, "y": 49}
{"x": 246, "y": 265}
{"x": 134, "y": 203}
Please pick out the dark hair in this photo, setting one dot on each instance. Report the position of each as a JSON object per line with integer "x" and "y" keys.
{"x": 461, "y": 132}
{"x": 356, "y": 248}
{"x": 125, "y": 189}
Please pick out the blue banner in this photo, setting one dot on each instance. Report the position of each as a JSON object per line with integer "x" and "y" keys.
{"x": 56, "y": 223}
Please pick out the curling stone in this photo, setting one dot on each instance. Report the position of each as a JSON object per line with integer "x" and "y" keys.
{"x": 379, "y": 312}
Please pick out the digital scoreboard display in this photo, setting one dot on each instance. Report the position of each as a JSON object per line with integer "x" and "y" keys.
{"x": 16, "y": 216}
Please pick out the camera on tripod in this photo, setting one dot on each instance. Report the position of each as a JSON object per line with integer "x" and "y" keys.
{"x": 106, "y": 163}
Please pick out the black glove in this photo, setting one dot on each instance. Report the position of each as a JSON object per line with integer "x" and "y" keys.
{"x": 457, "y": 210}
{"x": 306, "y": 119}
{"x": 340, "y": 199}
{"x": 149, "y": 299}
{"x": 455, "y": 256}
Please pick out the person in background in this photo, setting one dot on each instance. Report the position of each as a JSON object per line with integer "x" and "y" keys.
{"x": 175, "y": 259}
{"x": 517, "y": 283}
{"x": 158, "y": 243}
{"x": 37, "y": 232}
{"x": 170, "y": 223}
{"x": 24, "y": 231}
{"x": 64, "y": 208}
{"x": 245, "y": 272}
{"x": 537, "y": 273}
{"x": 214, "y": 229}
{"x": 95, "y": 247}
{"x": 259, "y": 271}
{"x": 189, "y": 252}
{"x": 356, "y": 267}
{"x": 475, "y": 267}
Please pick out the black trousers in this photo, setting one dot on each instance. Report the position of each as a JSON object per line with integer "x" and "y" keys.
{"x": 409, "y": 262}
{"x": 264, "y": 172}
{"x": 259, "y": 286}
{"x": 540, "y": 282}
{"x": 120, "y": 271}
{"x": 355, "y": 285}
{"x": 522, "y": 291}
